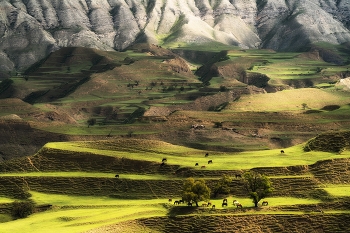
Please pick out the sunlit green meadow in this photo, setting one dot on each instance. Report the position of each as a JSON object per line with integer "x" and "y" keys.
{"x": 81, "y": 213}
{"x": 187, "y": 157}
{"x": 78, "y": 213}
{"x": 289, "y": 100}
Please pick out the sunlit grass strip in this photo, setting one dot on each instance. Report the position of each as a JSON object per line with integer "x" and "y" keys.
{"x": 338, "y": 190}
{"x": 4, "y": 200}
{"x": 129, "y": 146}
{"x": 86, "y": 174}
{"x": 69, "y": 200}
{"x": 293, "y": 177}
{"x": 78, "y": 220}
{"x": 288, "y": 100}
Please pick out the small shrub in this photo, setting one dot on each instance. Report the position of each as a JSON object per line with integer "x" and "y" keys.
{"x": 91, "y": 121}
{"x": 330, "y": 107}
{"x": 22, "y": 209}
{"x": 223, "y": 88}
{"x": 217, "y": 124}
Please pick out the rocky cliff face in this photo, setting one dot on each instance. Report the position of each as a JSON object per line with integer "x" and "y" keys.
{"x": 30, "y": 29}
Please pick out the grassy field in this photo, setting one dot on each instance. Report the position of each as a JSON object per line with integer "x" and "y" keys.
{"x": 153, "y": 151}
{"x": 290, "y": 100}
{"x": 80, "y": 213}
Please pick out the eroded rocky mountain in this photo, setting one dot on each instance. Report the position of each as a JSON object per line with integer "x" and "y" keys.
{"x": 31, "y": 29}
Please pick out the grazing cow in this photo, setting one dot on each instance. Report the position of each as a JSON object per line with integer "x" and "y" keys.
{"x": 237, "y": 204}
{"x": 282, "y": 151}
{"x": 210, "y": 161}
{"x": 206, "y": 154}
{"x": 198, "y": 126}
{"x": 116, "y": 176}
{"x": 265, "y": 203}
{"x": 170, "y": 200}
{"x": 196, "y": 164}
{"x": 189, "y": 204}
{"x": 213, "y": 206}
{"x": 181, "y": 201}
{"x": 224, "y": 201}
{"x": 202, "y": 166}
{"x": 209, "y": 204}
{"x": 224, "y": 204}
{"x": 163, "y": 160}
{"x": 238, "y": 176}
{"x": 176, "y": 202}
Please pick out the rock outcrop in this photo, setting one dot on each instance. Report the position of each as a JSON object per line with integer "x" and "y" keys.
{"x": 29, "y": 30}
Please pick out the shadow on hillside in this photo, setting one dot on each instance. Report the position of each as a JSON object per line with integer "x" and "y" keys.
{"x": 181, "y": 210}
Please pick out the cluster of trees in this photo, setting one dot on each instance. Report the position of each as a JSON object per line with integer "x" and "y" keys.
{"x": 256, "y": 185}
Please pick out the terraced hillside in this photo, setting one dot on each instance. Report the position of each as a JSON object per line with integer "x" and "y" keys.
{"x": 64, "y": 176}
{"x": 246, "y": 99}
{"x": 100, "y": 125}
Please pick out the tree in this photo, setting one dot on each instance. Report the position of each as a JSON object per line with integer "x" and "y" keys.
{"x": 223, "y": 88}
{"x": 91, "y": 121}
{"x": 21, "y": 209}
{"x": 258, "y": 186}
{"x": 195, "y": 190}
{"x": 304, "y": 106}
{"x": 222, "y": 186}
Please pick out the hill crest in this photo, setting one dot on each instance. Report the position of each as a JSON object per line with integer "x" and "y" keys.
{"x": 109, "y": 25}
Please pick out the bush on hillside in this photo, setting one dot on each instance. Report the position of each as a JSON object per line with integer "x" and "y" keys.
{"x": 330, "y": 107}
{"x": 22, "y": 209}
{"x": 5, "y": 84}
{"x": 91, "y": 121}
{"x": 258, "y": 80}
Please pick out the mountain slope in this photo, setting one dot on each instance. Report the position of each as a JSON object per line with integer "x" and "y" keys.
{"x": 30, "y": 30}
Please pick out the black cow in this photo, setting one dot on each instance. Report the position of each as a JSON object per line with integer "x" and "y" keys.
{"x": 116, "y": 176}
{"x": 210, "y": 161}
{"x": 265, "y": 203}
